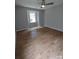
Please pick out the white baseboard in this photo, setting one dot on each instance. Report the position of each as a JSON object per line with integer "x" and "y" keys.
{"x": 55, "y": 28}
{"x": 28, "y": 29}
{"x": 21, "y": 29}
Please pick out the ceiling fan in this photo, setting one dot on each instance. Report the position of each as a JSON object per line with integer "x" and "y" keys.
{"x": 43, "y": 3}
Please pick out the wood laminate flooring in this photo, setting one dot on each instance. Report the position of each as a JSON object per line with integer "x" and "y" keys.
{"x": 43, "y": 43}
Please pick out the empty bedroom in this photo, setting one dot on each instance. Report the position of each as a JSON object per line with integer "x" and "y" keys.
{"x": 39, "y": 29}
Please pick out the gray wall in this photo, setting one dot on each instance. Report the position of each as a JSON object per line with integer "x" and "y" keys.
{"x": 21, "y": 21}
{"x": 54, "y": 17}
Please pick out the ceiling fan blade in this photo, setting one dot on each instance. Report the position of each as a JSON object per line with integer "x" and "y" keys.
{"x": 50, "y": 3}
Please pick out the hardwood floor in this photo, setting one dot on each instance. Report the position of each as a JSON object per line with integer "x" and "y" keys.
{"x": 43, "y": 43}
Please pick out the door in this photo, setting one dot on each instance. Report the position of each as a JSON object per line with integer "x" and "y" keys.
{"x": 33, "y": 18}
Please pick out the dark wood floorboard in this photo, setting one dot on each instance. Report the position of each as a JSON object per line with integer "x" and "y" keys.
{"x": 43, "y": 43}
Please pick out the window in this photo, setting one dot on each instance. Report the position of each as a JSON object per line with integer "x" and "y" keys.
{"x": 32, "y": 16}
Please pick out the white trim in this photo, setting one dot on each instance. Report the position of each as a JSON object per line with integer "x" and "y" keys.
{"x": 55, "y": 28}
{"x": 29, "y": 29}
{"x": 21, "y": 29}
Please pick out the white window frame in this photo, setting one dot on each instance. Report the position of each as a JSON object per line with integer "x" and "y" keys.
{"x": 37, "y": 16}
{"x": 31, "y": 17}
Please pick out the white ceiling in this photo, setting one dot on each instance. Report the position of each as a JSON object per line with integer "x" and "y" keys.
{"x": 36, "y": 3}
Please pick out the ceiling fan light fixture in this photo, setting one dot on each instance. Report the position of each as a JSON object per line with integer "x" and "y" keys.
{"x": 42, "y": 6}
